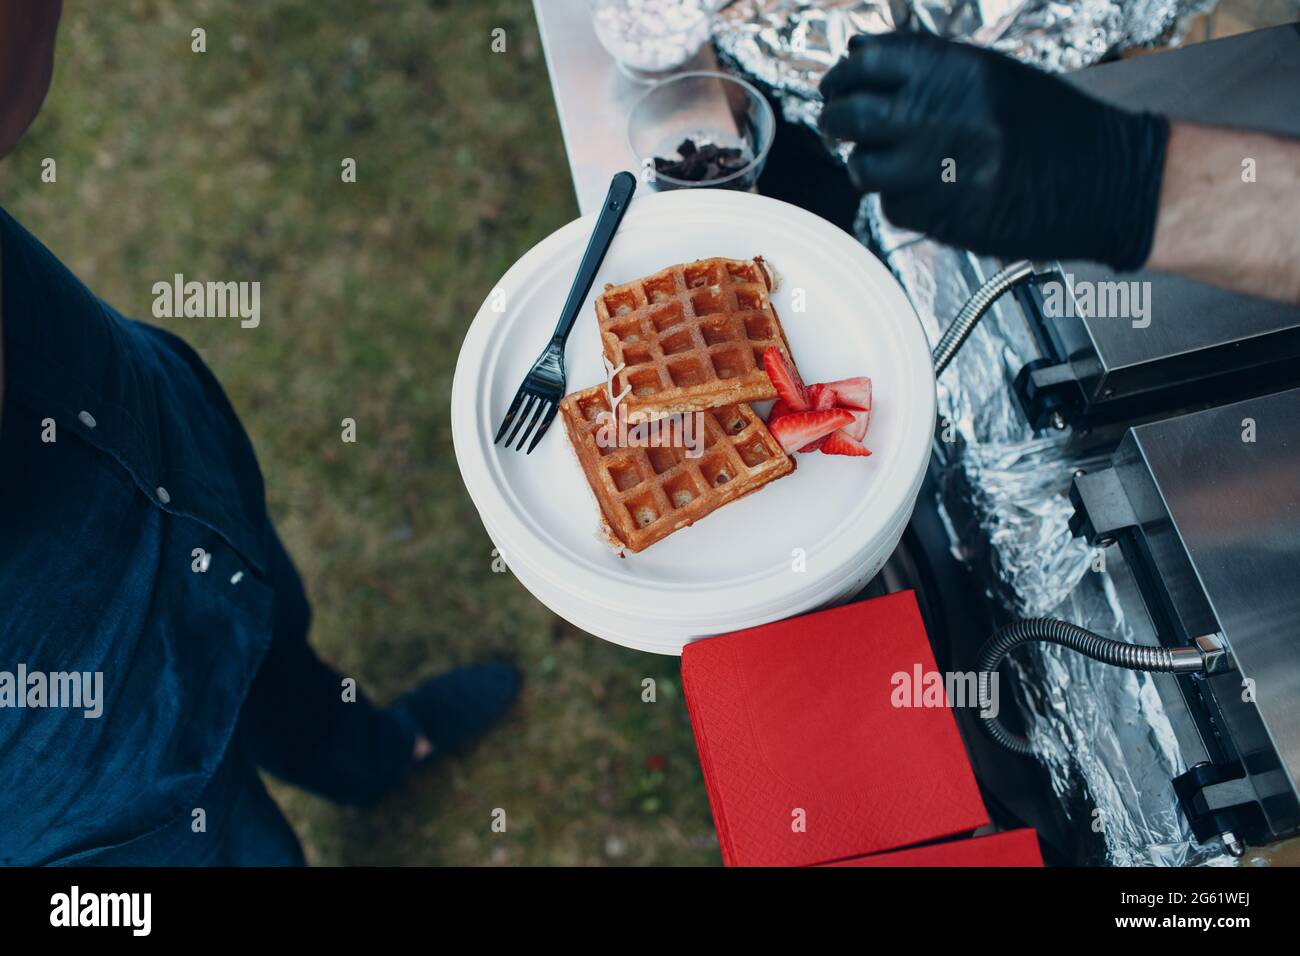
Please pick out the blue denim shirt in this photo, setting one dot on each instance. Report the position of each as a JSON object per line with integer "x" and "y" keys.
{"x": 98, "y": 573}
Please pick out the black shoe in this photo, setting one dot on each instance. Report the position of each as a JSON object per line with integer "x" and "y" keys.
{"x": 454, "y": 708}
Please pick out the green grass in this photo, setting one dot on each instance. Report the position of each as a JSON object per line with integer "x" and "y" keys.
{"x": 226, "y": 165}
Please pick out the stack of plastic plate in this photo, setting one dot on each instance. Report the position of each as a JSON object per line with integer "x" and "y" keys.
{"x": 805, "y": 541}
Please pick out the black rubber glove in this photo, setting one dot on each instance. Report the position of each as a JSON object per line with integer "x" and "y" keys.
{"x": 1038, "y": 169}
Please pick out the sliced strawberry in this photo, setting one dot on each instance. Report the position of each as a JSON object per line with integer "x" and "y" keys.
{"x": 853, "y": 392}
{"x": 800, "y": 428}
{"x": 821, "y": 397}
{"x": 779, "y": 410}
{"x": 861, "y": 420}
{"x": 839, "y": 443}
{"x": 785, "y": 379}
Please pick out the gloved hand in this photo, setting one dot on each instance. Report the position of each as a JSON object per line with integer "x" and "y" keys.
{"x": 980, "y": 151}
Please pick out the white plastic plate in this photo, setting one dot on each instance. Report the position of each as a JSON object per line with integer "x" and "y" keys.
{"x": 855, "y": 321}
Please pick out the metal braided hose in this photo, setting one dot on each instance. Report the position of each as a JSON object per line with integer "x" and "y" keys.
{"x": 974, "y": 309}
{"x": 1137, "y": 657}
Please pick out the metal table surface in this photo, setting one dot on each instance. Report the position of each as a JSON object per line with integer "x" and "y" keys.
{"x": 592, "y": 97}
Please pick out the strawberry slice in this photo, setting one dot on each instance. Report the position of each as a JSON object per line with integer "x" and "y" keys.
{"x": 858, "y": 430}
{"x": 821, "y": 397}
{"x": 801, "y": 428}
{"x": 785, "y": 379}
{"x": 853, "y": 392}
{"x": 839, "y": 443}
{"x": 779, "y": 410}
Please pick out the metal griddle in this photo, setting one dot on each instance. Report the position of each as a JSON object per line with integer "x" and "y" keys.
{"x": 1206, "y": 508}
{"x": 1204, "y": 345}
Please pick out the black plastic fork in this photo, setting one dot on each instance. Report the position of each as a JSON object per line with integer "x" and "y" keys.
{"x": 543, "y": 386}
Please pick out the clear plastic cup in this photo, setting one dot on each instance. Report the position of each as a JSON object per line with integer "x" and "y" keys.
{"x": 706, "y": 109}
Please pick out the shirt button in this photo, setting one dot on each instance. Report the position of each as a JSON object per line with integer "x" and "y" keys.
{"x": 161, "y": 492}
{"x": 86, "y": 419}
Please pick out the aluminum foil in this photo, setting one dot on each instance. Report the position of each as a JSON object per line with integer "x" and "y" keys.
{"x": 1102, "y": 732}
{"x": 787, "y": 45}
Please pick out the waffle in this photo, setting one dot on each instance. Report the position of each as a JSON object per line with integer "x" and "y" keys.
{"x": 647, "y": 493}
{"x": 691, "y": 337}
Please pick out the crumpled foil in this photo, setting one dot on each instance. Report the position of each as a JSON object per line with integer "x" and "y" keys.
{"x": 1101, "y": 731}
{"x": 787, "y": 45}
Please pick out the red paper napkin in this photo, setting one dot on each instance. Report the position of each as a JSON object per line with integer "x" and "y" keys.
{"x": 805, "y": 756}
{"x": 1012, "y": 848}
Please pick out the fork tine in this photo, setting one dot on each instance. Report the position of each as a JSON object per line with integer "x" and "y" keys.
{"x": 521, "y": 418}
{"x": 541, "y": 429}
{"x": 510, "y": 414}
{"x": 537, "y": 412}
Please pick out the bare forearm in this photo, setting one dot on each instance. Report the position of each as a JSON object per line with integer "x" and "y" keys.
{"x": 1230, "y": 211}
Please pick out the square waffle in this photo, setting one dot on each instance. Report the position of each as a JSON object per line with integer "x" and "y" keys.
{"x": 647, "y": 492}
{"x": 691, "y": 337}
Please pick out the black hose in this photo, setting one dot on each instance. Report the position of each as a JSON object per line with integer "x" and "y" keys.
{"x": 1135, "y": 657}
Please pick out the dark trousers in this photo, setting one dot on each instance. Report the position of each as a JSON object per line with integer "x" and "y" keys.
{"x": 298, "y": 724}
